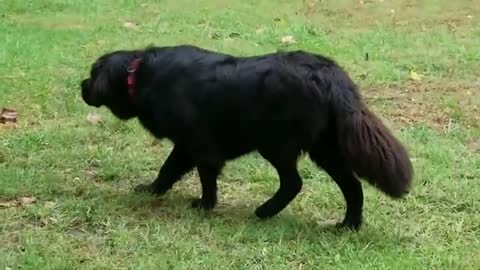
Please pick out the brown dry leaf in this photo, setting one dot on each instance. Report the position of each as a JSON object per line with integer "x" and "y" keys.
{"x": 8, "y": 116}
{"x": 288, "y": 40}
{"x": 94, "y": 118}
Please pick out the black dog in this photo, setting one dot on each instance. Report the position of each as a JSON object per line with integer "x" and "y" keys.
{"x": 216, "y": 107}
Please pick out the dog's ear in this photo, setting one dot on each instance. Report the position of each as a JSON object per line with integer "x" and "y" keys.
{"x": 105, "y": 72}
{"x": 100, "y": 87}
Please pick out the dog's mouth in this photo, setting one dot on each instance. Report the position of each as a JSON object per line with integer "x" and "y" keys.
{"x": 87, "y": 95}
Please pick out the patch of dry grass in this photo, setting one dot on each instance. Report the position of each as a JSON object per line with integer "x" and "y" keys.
{"x": 437, "y": 104}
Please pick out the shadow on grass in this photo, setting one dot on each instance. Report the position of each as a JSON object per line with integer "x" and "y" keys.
{"x": 229, "y": 219}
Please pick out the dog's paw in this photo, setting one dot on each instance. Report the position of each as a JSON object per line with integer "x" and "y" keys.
{"x": 202, "y": 204}
{"x": 265, "y": 211}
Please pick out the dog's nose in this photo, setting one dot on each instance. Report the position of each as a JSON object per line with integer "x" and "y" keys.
{"x": 84, "y": 87}
{"x": 84, "y": 84}
{"x": 87, "y": 94}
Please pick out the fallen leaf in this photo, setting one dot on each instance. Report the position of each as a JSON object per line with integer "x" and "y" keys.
{"x": 414, "y": 76}
{"x": 8, "y": 116}
{"x": 94, "y": 118}
{"x": 288, "y": 40}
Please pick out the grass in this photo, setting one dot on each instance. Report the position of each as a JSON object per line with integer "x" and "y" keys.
{"x": 85, "y": 215}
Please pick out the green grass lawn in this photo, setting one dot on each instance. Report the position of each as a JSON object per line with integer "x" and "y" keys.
{"x": 85, "y": 215}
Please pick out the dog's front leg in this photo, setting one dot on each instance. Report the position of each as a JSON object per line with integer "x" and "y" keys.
{"x": 208, "y": 173}
{"x": 178, "y": 163}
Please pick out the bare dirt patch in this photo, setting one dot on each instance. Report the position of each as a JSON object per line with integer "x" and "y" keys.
{"x": 19, "y": 202}
{"x": 400, "y": 14}
{"x": 436, "y": 104}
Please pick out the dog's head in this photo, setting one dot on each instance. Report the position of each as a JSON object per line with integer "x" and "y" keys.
{"x": 107, "y": 84}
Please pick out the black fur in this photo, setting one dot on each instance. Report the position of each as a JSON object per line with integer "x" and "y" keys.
{"x": 216, "y": 107}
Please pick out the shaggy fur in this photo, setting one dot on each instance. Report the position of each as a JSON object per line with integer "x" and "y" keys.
{"x": 216, "y": 107}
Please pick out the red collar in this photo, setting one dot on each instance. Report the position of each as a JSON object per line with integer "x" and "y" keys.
{"x": 131, "y": 80}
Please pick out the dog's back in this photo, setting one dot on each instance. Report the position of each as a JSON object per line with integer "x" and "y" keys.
{"x": 244, "y": 103}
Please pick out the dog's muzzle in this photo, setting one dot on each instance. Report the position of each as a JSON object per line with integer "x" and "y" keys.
{"x": 86, "y": 93}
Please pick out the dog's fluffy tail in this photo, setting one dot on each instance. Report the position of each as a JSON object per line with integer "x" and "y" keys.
{"x": 366, "y": 143}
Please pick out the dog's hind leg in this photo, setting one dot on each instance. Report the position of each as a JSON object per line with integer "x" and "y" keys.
{"x": 349, "y": 184}
{"x": 290, "y": 182}
{"x": 177, "y": 164}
